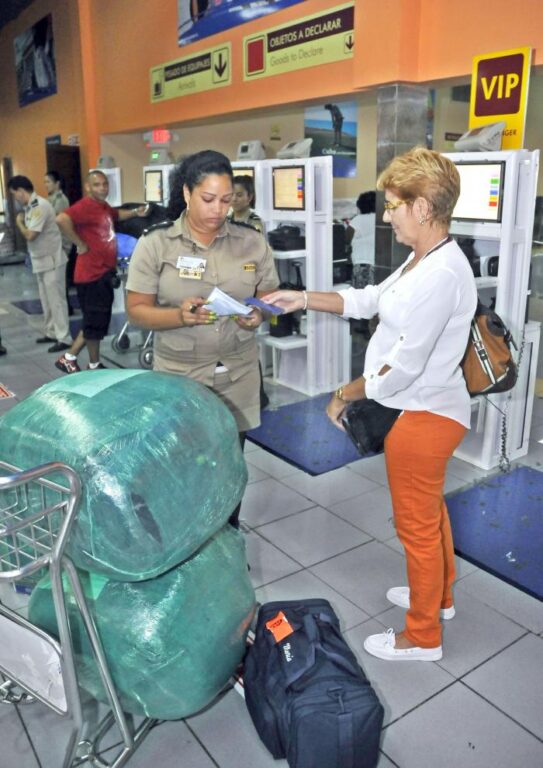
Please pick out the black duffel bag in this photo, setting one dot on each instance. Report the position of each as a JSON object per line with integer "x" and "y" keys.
{"x": 307, "y": 696}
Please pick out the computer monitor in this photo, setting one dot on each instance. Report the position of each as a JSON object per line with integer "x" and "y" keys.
{"x": 288, "y": 188}
{"x": 239, "y": 171}
{"x": 481, "y": 191}
{"x": 153, "y": 186}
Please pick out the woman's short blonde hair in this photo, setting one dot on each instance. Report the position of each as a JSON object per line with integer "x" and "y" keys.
{"x": 424, "y": 173}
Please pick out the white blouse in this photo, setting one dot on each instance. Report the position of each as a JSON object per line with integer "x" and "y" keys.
{"x": 424, "y": 322}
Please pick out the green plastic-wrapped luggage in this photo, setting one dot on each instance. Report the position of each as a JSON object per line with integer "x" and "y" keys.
{"x": 171, "y": 643}
{"x": 158, "y": 456}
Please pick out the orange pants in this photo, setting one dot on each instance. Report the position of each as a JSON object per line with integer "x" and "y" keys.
{"x": 417, "y": 450}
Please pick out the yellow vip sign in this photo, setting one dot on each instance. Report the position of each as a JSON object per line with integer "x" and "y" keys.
{"x": 499, "y": 91}
{"x": 201, "y": 72}
{"x": 317, "y": 39}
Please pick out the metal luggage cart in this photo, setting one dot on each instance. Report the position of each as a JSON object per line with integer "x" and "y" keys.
{"x": 36, "y": 516}
{"x": 120, "y": 343}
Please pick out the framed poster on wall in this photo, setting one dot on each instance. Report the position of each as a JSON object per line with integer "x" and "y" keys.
{"x": 200, "y": 18}
{"x": 333, "y": 128}
{"x": 35, "y": 62}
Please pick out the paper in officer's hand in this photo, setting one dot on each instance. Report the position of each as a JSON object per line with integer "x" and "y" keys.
{"x": 222, "y": 304}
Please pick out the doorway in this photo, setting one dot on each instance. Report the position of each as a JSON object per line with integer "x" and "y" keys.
{"x": 65, "y": 160}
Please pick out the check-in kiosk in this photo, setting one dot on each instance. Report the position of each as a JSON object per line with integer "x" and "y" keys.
{"x": 496, "y": 212}
{"x": 297, "y": 194}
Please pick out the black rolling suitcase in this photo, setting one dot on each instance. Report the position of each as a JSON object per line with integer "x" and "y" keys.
{"x": 307, "y": 696}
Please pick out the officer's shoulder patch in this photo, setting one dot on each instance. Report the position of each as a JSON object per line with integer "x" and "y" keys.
{"x": 34, "y": 203}
{"x": 155, "y": 227}
{"x": 243, "y": 224}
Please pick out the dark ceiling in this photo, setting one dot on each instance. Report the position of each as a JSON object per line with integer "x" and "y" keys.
{"x": 10, "y": 9}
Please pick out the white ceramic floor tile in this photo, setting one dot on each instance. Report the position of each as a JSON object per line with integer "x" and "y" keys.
{"x": 516, "y": 605}
{"x": 228, "y": 733}
{"x": 331, "y": 487}
{"x": 364, "y": 575}
{"x": 513, "y": 681}
{"x": 400, "y": 686}
{"x": 302, "y": 585}
{"x": 312, "y": 535}
{"x": 371, "y": 512}
{"x": 373, "y": 467}
{"x": 266, "y": 561}
{"x": 269, "y": 500}
{"x": 171, "y": 745}
{"x": 476, "y": 633}
{"x": 272, "y": 465}
{"x": 457, "y": 729}
{"x": 16, "y": 750}
{"x": 255, "y": 474}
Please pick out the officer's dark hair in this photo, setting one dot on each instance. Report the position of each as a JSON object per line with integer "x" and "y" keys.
{"x": 366, "y": 202}
{"x": 176, "y": 204}
{"x": 56, "y": 177}
{"x": 20, "y": 182}
{"x": 196, "y": 167}
{"x": 246, "y": 181}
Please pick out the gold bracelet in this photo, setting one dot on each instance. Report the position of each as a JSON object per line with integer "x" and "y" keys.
{"x": 339, "y": 394}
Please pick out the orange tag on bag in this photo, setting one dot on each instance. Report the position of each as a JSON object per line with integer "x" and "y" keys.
{"x": 279, "y": 627}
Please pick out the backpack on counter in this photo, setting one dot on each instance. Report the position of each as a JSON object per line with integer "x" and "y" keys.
{"x": 307, "y": 696}
{"x": 488, "y": 363}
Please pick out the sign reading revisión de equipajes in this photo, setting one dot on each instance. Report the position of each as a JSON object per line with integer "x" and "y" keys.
{"x": 317, "y": 39}
{"x": 192, "y": 74}
{"x": 499, "y": 91}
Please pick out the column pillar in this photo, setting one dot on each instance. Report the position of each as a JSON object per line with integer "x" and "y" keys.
{"x": 402, "y": 123}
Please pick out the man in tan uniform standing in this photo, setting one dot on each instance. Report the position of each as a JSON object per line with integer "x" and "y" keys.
{"x": 38, "y": 226}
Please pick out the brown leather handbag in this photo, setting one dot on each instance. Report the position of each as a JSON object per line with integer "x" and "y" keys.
{"x": 488, "y": 363}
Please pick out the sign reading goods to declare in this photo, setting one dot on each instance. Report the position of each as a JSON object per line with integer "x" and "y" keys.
{"x": 200, "y": 72}
{"x": 317, "y": 39}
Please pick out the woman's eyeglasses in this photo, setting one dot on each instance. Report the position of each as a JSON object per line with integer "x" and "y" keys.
{"x": 389, "y": 206}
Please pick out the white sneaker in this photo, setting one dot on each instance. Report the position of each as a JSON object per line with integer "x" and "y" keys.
{"x": 383, "y": 646}
{"x": 400, "y": 596}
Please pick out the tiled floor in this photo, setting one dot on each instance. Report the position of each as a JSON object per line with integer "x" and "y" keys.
{"x": 332, "y": 536}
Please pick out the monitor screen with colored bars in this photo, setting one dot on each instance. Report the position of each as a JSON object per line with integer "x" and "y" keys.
{"x": 481, "y": 191}
{"x": 153, "y": 186}
{"x": 288, "y": 188}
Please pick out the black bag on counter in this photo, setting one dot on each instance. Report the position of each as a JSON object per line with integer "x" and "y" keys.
{"x": 286, "y": 238}
{"x": 288, "y": 323}
{"x": 367, "y": 423}
{"x": 307, "y": 696}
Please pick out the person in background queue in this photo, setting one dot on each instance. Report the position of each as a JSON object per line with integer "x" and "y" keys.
{"x": 173, "y": 270}
{"x": 36, "y": 222}
{"x": 88, "y": 224}
{"x": 59, "y": 201}
{"x": 413, "y": 363}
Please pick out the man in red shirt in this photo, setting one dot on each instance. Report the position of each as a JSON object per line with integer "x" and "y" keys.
{"x": 89, "y": 225}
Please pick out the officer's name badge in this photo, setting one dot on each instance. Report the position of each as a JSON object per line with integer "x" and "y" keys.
{"x": 191, "y": 267}
{"x": 249, "y": 267}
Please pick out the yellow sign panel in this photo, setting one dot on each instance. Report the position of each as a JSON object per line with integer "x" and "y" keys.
{"x": 191, "y": 74}
{"x": 318, "y": 39}
{"x": 499, "y": 91}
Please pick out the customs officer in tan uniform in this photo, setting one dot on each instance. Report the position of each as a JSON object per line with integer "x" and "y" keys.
{"x": 173, "y": 270}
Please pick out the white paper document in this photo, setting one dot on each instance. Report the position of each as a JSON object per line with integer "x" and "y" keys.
{"x": 223, "y": 304}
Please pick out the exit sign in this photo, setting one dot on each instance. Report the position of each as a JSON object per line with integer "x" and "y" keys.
{"x": 161, "y": 136}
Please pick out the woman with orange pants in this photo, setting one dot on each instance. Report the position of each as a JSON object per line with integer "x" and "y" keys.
{"x": 412, "y": 363}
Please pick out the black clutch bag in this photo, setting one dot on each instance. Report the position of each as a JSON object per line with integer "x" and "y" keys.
{"x": 367, "y": 423}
